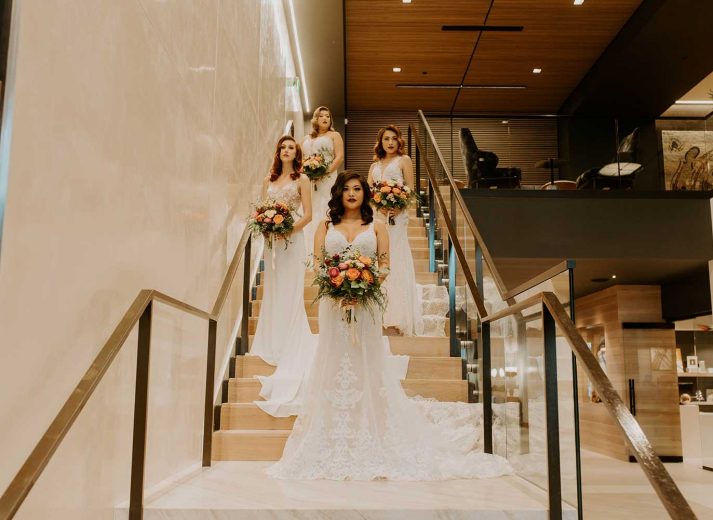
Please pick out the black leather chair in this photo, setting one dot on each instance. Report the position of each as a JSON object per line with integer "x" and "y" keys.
{"x": 482, "y": 167}
{"x": 620, "y": 172}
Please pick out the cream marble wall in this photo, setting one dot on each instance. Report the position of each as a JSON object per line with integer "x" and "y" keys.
{"x": 140, "y": 132}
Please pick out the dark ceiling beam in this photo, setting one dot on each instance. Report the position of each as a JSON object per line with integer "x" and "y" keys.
{"x": 660, "y": 54}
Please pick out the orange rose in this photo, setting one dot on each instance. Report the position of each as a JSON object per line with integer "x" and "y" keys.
{"x": 377, "y": 198}
{"x": 365, "y": 260}
{"x": 396, "y": 191}
{"x": 337, "y": 281}
{"x": 367, "y": 276}
{"x": 385, "y": 189}
{"x": 279, "y": 219}
{"x": 353, "y": 273}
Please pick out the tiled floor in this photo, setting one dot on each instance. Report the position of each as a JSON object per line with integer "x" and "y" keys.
{"x": 240, "y": 490}
{"x": 616, "y": 490}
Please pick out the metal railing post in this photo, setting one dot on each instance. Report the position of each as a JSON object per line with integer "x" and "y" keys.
{"x": 554, "y": 480}
{"x": 487, "y": 391}
{"x": 138, "y": 448}
{"x": 452, "y": 263}
{"x": 209, "y": 383}
{"x": 575, "y": 398}
{"x": 419, "y": 212}
{"x": 244, "y": 321}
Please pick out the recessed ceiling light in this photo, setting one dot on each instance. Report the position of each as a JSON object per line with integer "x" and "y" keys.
{"x": 406, "y": 1}
{"x": 578, "y": 2}
{"x": 505, "y": 122}
{"x": 396, "y": 69}
{"x": 613, "y": 276}
{"x": 536, "y": 71}
{"x": 694, "y": 102}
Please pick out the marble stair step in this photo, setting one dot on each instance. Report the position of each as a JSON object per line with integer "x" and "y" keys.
{"x": 249, "y": 444}
{"x": 418, "y": 367}
{"x": 247, "y": 390}
{"x": 248, "y": 416}
{"x": 313, "y": 324}
{"x": 419, "y": 346}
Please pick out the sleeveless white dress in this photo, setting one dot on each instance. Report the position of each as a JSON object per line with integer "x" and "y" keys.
{"x": 404, "y": 308}
{"x": 356, "y": 421}
{"x": 283, "y": 336}
{"x": 321, "y": 190}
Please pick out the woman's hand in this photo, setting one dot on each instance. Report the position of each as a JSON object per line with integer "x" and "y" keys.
{"x": 348, "y": 302}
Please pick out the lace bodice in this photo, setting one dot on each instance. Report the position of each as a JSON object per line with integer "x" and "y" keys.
{"x": 289, "y": 194}
{"x": 320, "y": 144}
{"x": 365, "y": 242}
{"x": 392, "y": 172}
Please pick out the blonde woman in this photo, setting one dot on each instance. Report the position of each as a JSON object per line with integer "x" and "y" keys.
{"x": 323, "y": 139}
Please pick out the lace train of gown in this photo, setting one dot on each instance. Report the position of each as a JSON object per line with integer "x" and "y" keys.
{"x": 404, "y": 308}
{"x": 356, "y": 421}
{"x": 322, "y": 193}
{"x": 283, "y": 336}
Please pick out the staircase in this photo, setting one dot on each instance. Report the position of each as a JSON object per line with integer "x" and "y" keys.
{"x": 247, "y": 433}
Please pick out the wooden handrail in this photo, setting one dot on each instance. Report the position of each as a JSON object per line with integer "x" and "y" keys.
{"x": 43, "y": 451}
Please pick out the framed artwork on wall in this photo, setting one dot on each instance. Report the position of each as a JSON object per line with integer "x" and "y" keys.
{"x": 688, "y": 159}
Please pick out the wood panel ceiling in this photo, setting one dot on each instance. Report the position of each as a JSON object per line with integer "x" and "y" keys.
{"x": 560, "y": 38}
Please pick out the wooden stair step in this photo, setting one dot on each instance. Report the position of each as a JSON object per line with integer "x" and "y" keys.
{"x": 247, "y": 390}
{"x": 313, "y": 324}
{"x": 249, "y": 444}
{"x": 420, "y": 346}
{"x": 426, "y": 367}
{"x": 248, "y": 416}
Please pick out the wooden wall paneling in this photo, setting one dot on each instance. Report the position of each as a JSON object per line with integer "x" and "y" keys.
{"x": 520, "y": 142}
{"x": 629, "y": 355}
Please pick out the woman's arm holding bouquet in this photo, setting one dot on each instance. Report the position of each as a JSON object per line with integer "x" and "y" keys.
{"x": 382, "y": 248}
{"x": 306, "y": 195}
{"x": 319, "y": 236}
{"x": 407, "y": 169}
{"x": 338, "y": 152}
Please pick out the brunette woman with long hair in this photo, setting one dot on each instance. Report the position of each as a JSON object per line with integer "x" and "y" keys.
{"x": 356, "y": 422}
{"x": 327, "y": 141}
{"x": 283, "y": 336}
{"x": 403, "y": 313}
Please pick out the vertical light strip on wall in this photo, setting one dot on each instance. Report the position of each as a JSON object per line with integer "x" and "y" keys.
{"x": 303, "y": 81}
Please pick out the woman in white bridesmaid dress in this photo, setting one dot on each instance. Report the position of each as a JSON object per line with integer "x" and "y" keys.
{"x": 322, "y": 139}
{"x": 283, "y": 336}
{"x": 356, "y": 422}
{"x": 403, "y": 313}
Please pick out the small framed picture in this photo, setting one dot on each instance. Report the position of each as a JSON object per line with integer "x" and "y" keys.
{"x": 691, "y": 363}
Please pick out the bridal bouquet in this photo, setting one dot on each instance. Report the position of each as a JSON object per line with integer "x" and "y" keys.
{"x": 351, "y": 279}
{"x": 316, "y": 166}
{"x": 391, "y": 195}
{"x": 273, "y": 220}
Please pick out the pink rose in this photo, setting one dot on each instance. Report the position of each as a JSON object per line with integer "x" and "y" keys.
{"x": 268, "y": 220}
{"x": 333, "y": 272}
{"x": 343, "y": 266}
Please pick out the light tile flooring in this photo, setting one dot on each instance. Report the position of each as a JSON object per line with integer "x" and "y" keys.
{"x": 616, "y": 490}
{"x": 240, "y": 490}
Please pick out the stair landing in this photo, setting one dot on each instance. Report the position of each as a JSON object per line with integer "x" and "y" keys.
{"x": 242, "y": 491}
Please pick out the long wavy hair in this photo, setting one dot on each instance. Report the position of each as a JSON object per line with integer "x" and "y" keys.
{"x": 276, "y": 169}
{"x": 336, "y": 205}
{"x": 379, "y": 152}
{"x": 315, "y": 125}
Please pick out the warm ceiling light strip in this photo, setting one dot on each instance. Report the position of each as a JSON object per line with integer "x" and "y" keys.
{"x": 447, "y": 86}
{"x": 483, "y": 28}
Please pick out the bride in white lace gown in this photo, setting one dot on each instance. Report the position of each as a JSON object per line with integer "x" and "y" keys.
{"x": 403, "y": 312}
{"x": 283, "y": 336}
{"x": 322, "y": 139}
{"x": 356, "y": 421}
